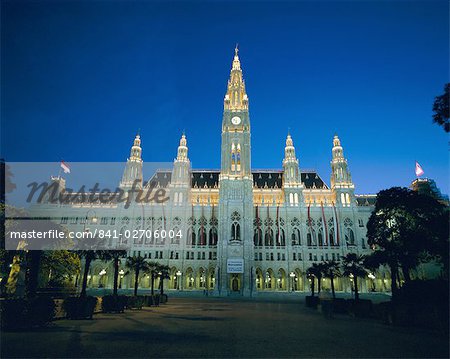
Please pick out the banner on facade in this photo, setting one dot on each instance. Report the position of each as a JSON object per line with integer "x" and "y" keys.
{"x": 235, "y": 265}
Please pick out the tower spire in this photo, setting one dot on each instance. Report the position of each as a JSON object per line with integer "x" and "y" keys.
{"x": 182, "y": 149}
{"x": 236, "y": 98}
{"x": 341, "y": 179}
{"x": 133, "y": 168}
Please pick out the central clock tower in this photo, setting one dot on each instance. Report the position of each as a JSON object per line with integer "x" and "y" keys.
{"x": 235, "y": 191}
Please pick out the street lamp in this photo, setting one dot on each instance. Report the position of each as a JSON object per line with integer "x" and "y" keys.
{"x": 121, "y": 272}
{"x": 93, "y": 219}
{"x": 178, "y": 279}
{"x": 292, "y": 275}
{"x": 101, "y": 274}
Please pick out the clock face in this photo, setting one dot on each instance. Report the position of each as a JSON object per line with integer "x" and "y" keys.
{"x": 236, "y": 120}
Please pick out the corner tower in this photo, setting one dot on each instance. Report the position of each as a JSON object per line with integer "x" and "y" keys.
{"x": 133, "y": 168}
{"x": 292, "y": 186}
{"x": 341, "y": 180}
{"x": 235, "y": 248}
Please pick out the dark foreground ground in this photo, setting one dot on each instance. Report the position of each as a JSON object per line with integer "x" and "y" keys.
{"x": 199, "y": 327}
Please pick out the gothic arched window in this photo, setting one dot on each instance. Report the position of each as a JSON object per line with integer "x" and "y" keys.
{"x": 190, "y": 237}
{"x": 268, "y": 237}
{"x": 351, "y": 236}
{"x": 296, "y": 237}
{"x": 257, "y": 237}
{"x": 233, "y": 157}
{"x": 320, "y": 237}
{"x": 331, "y": 237}
{"x": 235, "y": 226}
{"x": 202, "y": 236}
{"x": 311, "y": 238}
{"x": 213, "y": 236}
{"x": 235, "y": 232}
{"x": 281, "y": 241}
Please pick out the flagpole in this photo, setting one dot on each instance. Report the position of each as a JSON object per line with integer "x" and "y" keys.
{"x": 59, "y": 172}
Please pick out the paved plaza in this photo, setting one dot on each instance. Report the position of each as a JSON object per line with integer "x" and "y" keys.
{"x": 213, "y": 327}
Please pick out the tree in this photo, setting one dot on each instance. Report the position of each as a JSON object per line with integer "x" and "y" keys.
{"x": 354, "y": 266}
{"x": 441, "y": 109}
{"x": 315, "y": 271}
{"x": 331, "y": 271}
{"x": 163, "y": 274}
{"x": 138, "y": 264}
{"x": 59, "y": 266}
{"x": 115, "y": 256}
{"x": 403, "y": 230}
{"x": 89, "y": 256}
{"x": 153, "y": 270}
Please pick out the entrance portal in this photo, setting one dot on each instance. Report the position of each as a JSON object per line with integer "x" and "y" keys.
{"x": 235, "y": 283}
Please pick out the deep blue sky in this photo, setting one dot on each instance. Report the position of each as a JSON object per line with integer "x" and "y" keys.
{"x": 80, "y": 78}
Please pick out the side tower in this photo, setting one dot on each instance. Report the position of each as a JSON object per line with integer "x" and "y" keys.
{"x": 341, "y": 180}
{"x": 235, "y": 252}
{"x": 133, "y": 168}
{"x": 292, "y": 185}
{"x": 181, "y": 176}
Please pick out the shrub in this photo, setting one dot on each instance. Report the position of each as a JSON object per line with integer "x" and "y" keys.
{"x": 41, "y": 310}
{"x": 340, "y": 305}
{"x": 13, "y": 313}
{"x": 423, "y": 303}
{"x": 327, "y": 308}
{"x": 383, "y": 311}
{"x": 114, "y": 303}
{"x": 360, "y": 308}
{"x": 424, "y": 292}
{"x": 164, "y": 298}
{"x": 19, "y": 313}
{"x": 311, "y": 302}
{"x": 135, "y": 302}
{"x": 79, "y": 307}
{"x": 148, "y": 300}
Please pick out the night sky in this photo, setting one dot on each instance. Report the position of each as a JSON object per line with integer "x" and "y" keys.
{"x": 80, "y": 78}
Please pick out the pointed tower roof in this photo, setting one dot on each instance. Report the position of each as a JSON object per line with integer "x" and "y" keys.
{"x": 289, "y": 150}
{"x": 236, "y": 96}
{"x": 182, "y": 154}
{"x": 136, "y": 150}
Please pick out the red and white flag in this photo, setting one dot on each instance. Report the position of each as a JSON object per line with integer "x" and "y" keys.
{"x": 419, "y": 170}
{"x": 65, "y": 167}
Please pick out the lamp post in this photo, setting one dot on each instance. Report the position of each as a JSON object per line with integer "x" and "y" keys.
{"x": 121, "y": 272}
{"x": 93, "y": 219}
{"x": 178, "y": 279}
{"x": 101, "y": 274}
{"x": 292, "y": 275}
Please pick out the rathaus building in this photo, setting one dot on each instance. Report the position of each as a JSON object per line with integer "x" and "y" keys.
{"x": 241, "y": 231}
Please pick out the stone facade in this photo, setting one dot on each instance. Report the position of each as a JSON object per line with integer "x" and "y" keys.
{"x": 265, "y": 226}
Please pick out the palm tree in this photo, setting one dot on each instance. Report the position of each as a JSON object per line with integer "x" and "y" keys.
{"x": 153, "y": 270}
{"x": 353, "y": 265}
{"x": 331, "y": 271}
{"x": 138, "y": 264}
{"x": 315, "y": 271}
{"x": 89, "y": 256}
{"x": 115, "y": 256}
{"x": 163, "y": 274}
